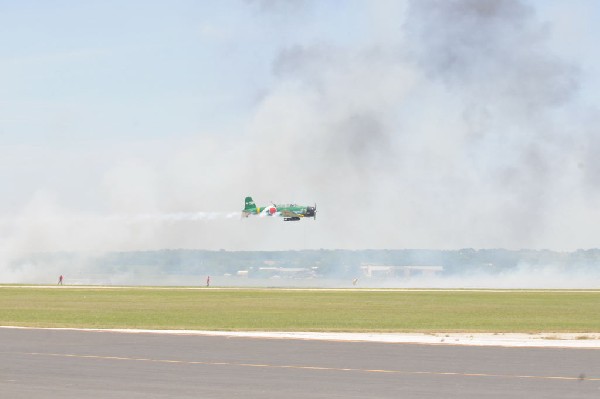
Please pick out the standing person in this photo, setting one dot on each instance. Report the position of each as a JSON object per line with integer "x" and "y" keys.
{"x": 208, "y": 281}
{"x": 60, "y": 280}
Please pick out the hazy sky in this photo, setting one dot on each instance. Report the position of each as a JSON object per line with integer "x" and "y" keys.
{"x": 411, "y": 124}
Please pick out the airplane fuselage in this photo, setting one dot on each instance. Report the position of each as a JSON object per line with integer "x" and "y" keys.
{"x": 289, "y": 212}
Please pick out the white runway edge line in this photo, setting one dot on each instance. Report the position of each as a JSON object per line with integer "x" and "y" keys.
{"x": 514, "y": 340}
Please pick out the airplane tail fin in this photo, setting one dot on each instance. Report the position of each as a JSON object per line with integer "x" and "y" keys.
{"x": 250, "y": 206}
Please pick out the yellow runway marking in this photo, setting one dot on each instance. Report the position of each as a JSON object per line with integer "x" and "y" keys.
{"x": 274, "y": 366}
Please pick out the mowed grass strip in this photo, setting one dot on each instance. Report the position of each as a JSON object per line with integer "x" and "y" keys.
{"x": 290, "y": 310}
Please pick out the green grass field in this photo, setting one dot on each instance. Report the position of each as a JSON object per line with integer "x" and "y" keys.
{"x": 299, "y": 310}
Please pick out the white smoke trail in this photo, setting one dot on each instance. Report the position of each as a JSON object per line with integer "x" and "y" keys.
{"x": 126, "y": 218}
{"x": 179, "y": 216}
{"x": 65, "y": 231}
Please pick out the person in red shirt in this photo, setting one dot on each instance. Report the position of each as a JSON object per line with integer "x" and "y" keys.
{"x": 60, "y": 280}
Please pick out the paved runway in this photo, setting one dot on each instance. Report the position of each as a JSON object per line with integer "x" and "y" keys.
{"x": 76, "y": 364}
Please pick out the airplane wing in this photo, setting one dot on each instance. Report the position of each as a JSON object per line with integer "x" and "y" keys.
{"x": 290, "y": 214}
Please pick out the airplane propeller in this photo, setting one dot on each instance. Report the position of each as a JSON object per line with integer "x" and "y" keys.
{"x": 315, "y": 214}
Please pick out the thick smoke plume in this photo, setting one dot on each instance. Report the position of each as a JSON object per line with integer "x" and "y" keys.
{"x": 451, "y": 124}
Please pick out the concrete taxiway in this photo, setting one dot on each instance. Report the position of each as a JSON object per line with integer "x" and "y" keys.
{"x": 43, "y": 363}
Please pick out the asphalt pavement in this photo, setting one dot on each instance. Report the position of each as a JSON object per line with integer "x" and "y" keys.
{"x": 38, "y": 363}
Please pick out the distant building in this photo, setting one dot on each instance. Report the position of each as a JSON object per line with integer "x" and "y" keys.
{"x": 401, "y": 271}
{"x": 287, "y": 272}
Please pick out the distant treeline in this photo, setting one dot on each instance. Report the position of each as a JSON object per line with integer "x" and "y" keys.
{"x": 326, "y": 263}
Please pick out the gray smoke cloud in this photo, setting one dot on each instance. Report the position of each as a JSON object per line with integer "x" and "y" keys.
{"x": 455, "y": 133}
{"x": 493, "y": 57}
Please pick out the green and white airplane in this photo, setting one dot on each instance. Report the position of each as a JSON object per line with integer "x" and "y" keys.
{"x": 289, "y": 212}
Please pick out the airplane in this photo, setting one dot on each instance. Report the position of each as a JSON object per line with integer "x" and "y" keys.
{"x": 289, "y": 212}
